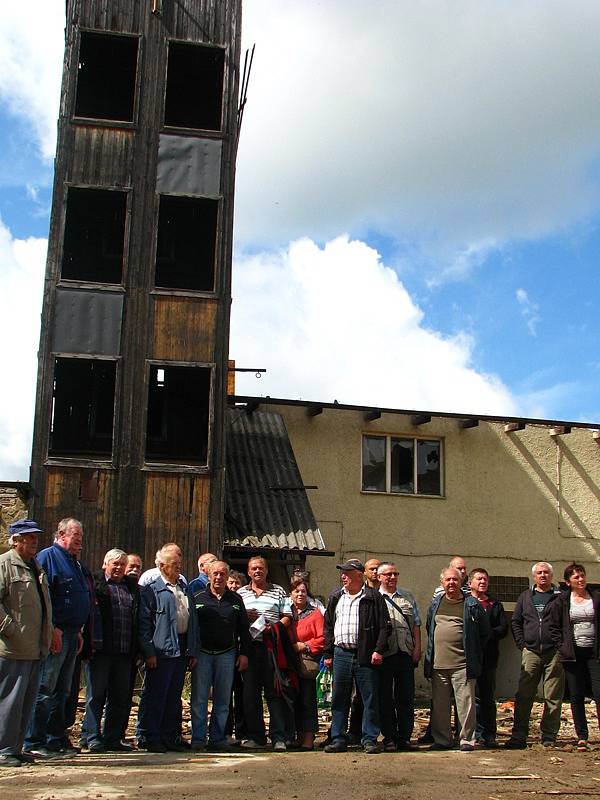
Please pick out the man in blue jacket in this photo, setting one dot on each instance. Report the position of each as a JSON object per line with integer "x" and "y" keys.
{"x": 70, "y": 592}
{"x": 458, "y": 629}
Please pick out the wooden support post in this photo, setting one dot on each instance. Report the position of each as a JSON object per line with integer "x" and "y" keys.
{"x": 468, "y": 423}
{"x": 372, "y": 415}
{"x": 514, "y": 426}
{"x": 314, "y": 411}
{"x": 420, "y": 419}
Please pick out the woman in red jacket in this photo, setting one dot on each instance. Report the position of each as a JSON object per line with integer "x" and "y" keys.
{"x": 308, "y": 626}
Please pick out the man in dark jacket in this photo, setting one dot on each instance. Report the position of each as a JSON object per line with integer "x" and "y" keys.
{"x": 114, "y": 647}
{"x": 485, "y": 688}
{"x": 356, "y": 635}
{"x": 70, "y": 593}
{"x": 539, "y": 659}
{"x": 458, "y": 630}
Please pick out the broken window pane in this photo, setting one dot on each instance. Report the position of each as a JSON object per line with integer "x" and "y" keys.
{"x": 83, "y": 407}
{"x": 106, "y": 76}
{"x": 178, "y": 412}
{"x": 94, "y": 235}
{"x": 194, "y": 86}
{"x": 428, "y": 467}
{"x": 185, "y": 250}
{"x": 373, "y": 464}
{"x": 402, "y": 466}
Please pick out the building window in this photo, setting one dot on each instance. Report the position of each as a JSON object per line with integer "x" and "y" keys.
{"x": 507, "y": 587}
{"x": 194, "y": 97}
{"x": 178, "y": 414}
{"x": 401, "y": 465}
{"x": 94, "y": 235}
{"x": 185, "y": 249}
{"x": 83, "y": 407}
{"x": 106, "y": 76}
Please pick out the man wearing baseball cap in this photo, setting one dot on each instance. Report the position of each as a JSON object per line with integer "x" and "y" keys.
{"x": 25, "y": 636}
{"x": 356, "y": 633}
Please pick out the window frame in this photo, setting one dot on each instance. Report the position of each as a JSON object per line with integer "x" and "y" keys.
{"x": 388, "y": 437}
{"x": 152, "y": 465}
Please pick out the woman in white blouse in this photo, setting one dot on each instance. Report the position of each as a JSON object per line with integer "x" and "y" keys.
{"x": 574, "y": 628}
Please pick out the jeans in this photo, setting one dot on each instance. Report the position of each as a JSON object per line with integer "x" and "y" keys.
{"x": 47, "y": 725}
{"x": 444, "y": 683}
{"x": 159, "y": 714}
{"x": 307, "y": 718}
{"x": 19, "y": 681}
{"x": 108, "y": 690}
{"x": 214, "y": 670}
{"x": 585, "y": 669}
{"x": 346, "y": 669}
{"x": 534, "y": 667}
{"x": 485, "y": 701}
{"x": 397, "y": 697}
{"x": 257, "y": 677}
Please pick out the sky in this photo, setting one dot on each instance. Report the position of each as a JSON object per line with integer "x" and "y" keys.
{"x": 417, "y": 218}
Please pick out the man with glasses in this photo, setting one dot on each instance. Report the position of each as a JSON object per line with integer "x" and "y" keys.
{"x": 397, "y": 677}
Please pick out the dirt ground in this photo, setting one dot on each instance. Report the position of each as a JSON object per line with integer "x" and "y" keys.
{"x": 538, "y": 771}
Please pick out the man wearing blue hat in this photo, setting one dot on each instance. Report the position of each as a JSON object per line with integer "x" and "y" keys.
{"x": 25, "y": 636}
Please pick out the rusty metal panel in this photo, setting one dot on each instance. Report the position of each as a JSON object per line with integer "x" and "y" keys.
{"x": 176, "y": 510}
{"x": 189, "y": 166}
{"x": 87, "y": 322}
{"x": 184, "y": 328}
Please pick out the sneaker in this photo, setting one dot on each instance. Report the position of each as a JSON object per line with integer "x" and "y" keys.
{"x": 43, "y": 752}
{"x": 26, "y": 758}
{"x": 118, "y": 747}
{"x": 404, "y": 744}
{"x": 372, "y": 748}
{"x": 97, "y": 747}
{"x": 279, "y": 747}
{"x": 250, "y": 744}
{"x": 336, "y": 747}
{"x": 515, "y": 744}
{"x": 427, "y": 738}
{"x": 389, "y": 746}
{"x": 548, "y": 742}
{"x": 582, "y": 745}
{"x": 10, "y": 760}
{"x": 436, "y": 746}
{"x": 466, "y": 747}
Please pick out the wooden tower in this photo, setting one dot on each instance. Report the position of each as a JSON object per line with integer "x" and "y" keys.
{"x": 129, "y": 421}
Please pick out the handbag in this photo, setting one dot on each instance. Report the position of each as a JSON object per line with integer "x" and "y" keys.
{"x": 309, "y": 668}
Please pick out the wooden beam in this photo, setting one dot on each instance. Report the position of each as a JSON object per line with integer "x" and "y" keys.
{"x": 372, "y": 415}
{"x": 314, "y": 411}
{"x": 560, "y": 430}
{"x": 468, "y": 423}
{"x": 420, "y": 419}
{"x": 514, "y": 426}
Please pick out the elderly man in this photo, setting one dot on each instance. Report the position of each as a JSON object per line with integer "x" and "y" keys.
{"x": 133, "y": 567}
{"x": 201, "y": 582}
{"x": 154, "y": 572}
{"x": 114, "y": 646}
{"x": 485, "y": 688}
{"x": 224, "y": 644}
{"x": 167, "y": 635}
{"x": 71, "y": 595}
{"x": 539, "y": 659}
{"x": 356, "y": 633}
{"x": 458, "y": 629}
{"x": 371, "y": 576}
{"x": 397, "y": 677}
{"x": 25, "y": 636}
{"x": 266, "y": 604}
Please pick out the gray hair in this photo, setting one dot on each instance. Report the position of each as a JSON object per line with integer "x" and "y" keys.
{"x": 449, "y": 569}
{"x": 64, "y": 524}
{"x": 384, "y": 564}
{"x": 214, "y": 563}
{"x": 539, "y": 564}
{"x": 116, "y": 554}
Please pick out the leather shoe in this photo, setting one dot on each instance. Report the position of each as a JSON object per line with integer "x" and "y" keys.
{"x": 336, "y": 747}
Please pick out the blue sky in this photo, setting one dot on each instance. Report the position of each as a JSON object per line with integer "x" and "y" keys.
{"x": 417, "y": 206}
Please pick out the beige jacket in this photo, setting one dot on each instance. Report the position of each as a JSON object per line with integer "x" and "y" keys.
{"x": 25, "y": 630}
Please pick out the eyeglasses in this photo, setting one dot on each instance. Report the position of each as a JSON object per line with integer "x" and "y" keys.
{"x": 389, "y": 574}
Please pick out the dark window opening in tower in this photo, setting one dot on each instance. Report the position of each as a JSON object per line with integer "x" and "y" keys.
{"x": 178, "y": 414}
{"x": 185, "y": 250}
{"x": 194, "y": 97}
{"x": 106, "y": 76}
{"x": 94, "y": 235}
{"x": 83, "y": 407}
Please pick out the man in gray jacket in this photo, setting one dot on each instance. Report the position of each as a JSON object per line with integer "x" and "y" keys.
{"x": 25, "y": 636}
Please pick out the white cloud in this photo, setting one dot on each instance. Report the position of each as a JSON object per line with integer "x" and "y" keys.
{"x": 334, "y": 323}
{"x": 445, "y": 122}
{"x": 529, "y": 310}
{"x": 31, "y": 49}
{"x": 22, "y": 264}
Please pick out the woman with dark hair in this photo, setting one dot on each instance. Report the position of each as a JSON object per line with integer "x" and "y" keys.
{"x": 574, "y": 629}
{"x": 310, "y": 640}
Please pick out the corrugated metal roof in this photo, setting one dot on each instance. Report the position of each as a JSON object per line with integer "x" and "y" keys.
{"x": 265, "y": 501}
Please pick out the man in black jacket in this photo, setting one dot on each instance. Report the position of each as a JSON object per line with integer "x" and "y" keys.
{"x": 356, "y": 634}
{"x": 539, "y": 659}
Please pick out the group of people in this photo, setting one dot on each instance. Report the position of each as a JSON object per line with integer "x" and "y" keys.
{"x": 242, "y": 637}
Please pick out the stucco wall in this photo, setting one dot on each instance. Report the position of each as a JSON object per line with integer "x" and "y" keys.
{"x": 509, "y": 500}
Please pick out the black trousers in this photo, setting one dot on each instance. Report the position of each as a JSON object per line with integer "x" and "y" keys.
{"x": 583, "y": 675}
